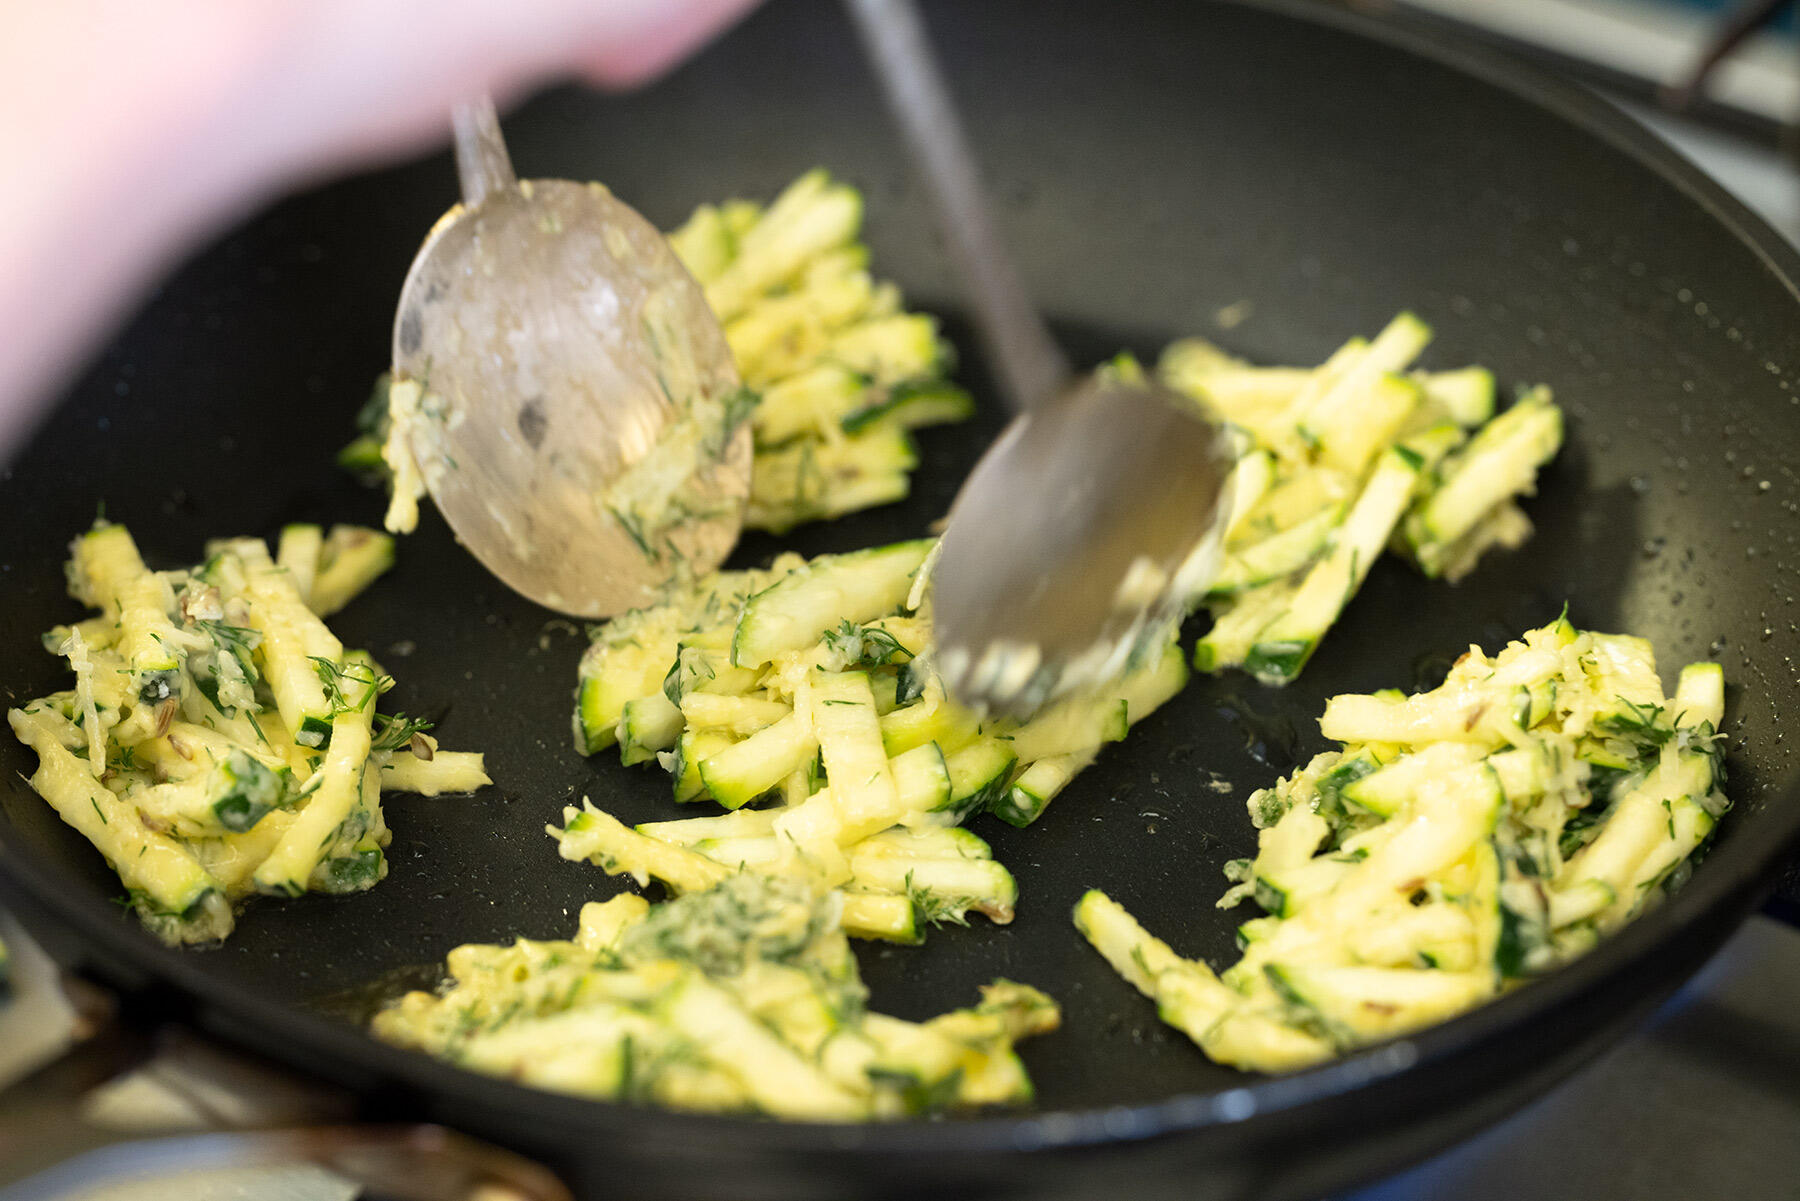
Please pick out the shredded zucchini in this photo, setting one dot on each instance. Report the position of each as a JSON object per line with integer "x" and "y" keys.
{"x": 740, "y": 997}
{"x": 810, "y": 683}
{"x": 219, "y": 740}
{"x": 1464, "y": 839}
{"x": 1343, "y": 461}
{"x": 841, "y": 372}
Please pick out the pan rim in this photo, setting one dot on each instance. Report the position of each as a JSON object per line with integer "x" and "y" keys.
{"x": 1723, "y": 896}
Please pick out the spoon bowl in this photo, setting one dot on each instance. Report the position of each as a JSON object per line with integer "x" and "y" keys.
{"x": 576, "y": 419}
{"x": 1087, "y": 526}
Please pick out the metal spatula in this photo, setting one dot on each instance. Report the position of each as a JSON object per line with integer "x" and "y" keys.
{"x": 1099, "y": 512}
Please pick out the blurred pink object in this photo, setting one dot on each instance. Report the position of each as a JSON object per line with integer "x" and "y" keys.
{"x": 133, "y": 129}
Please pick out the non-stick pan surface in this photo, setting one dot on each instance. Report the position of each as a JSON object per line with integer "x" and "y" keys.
{"x": 1154, "y": 164}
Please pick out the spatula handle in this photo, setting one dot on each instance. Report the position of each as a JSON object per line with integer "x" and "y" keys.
{"x": 1030, "y": 367}
{"x": 482, "y": 164}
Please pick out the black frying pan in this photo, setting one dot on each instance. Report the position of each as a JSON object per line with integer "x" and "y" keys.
{"x": 1153, "y": 163}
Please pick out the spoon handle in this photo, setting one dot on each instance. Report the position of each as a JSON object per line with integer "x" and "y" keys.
{"x": 1030, "y": 367}
{"x": 482, "y": 164}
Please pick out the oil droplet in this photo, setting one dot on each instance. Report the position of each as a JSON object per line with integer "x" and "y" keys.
{"x": 1430, "y": 668}
{"x": 1271, "y": 739}
{"x": 1654, "y": 546}
{"x": 360, "y": 1003}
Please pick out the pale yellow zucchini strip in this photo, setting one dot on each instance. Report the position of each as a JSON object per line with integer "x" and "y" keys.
{"x": 290, "y": 865}
{"x": 293, "y": 639}
{"x": 149, "y": 863}
{"x": 445, "y": 771}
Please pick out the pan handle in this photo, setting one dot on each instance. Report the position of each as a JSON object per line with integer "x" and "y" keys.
{"x": 62, "y": 1132}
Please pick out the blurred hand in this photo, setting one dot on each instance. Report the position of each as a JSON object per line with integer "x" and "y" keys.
{"x": 129, "y": 129}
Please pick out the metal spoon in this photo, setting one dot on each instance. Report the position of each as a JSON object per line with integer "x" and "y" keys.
{"x": 561, "y": 345}
{"x": 1098, "y": 514}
